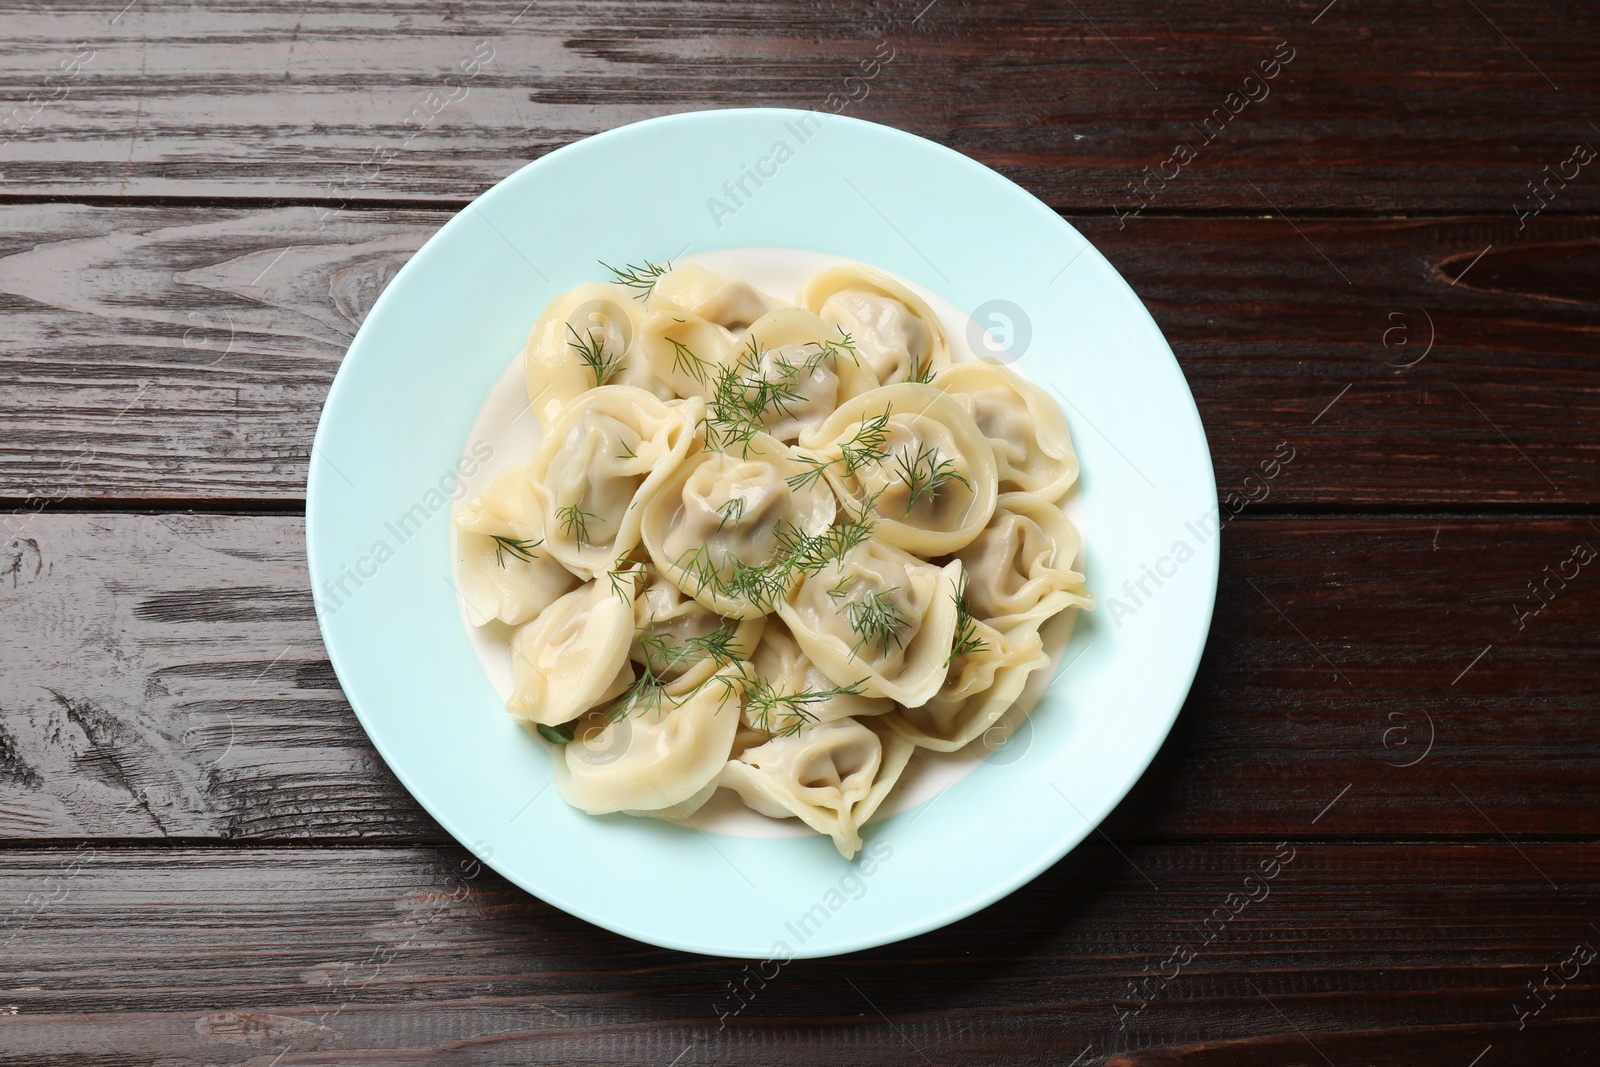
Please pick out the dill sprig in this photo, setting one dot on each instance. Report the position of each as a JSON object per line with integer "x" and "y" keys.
{"x": 921, "y": 372}
{"x": 925, "y": 475}
{"x": 967, "y": 641}
{"x": 622, "y": 575}
{"x": 593, "y": 351}
{"x": 731, "y": 511}
{"x": 744, "y": 393}
{"x": 869, "y": 444}
{"x": 648, "y": 692}
{"x": 876, "y": 619}
{"x": 575, "y": 522}
{"x": 519, "y": 549}
{"x": 685, "y": 361}
{"x": 828, "y": 348}
{"x": 642, "y": 277}
{"x": 747, "y": 392}
{"x": 782, "y": 714}
{"x": 798, "y": 552}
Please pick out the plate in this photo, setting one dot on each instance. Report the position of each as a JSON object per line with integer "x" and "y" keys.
{"x": 394, "y": 451}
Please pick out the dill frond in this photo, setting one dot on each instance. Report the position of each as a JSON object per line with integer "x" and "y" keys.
{"x": 642, "y": 277}
{"x": 519, "y": 549}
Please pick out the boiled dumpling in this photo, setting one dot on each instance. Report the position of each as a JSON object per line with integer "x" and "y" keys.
{"x": 598, "y": 466}
{"x": 681, "y": 641}
{"x": 879, "y": 617}
{"x": 655, "y": 757}
{"x": 792, "y": 691}
{"x": 573, "y": 656}
{"x": 831, "y": 775}
{"x": 717, "y": 298}
{"x": 898, "y": 335}
{"x": 980, "y": 686}
{"x": 585, "y": 337}
{"x": 1024, "y": 427}
{"x": 716, "y": 524}
{"x": 684, "y": 350}
{"x": 797, "y": 366}
{"x": 506, "y": 573}
{"x": 1020, "y": 568}
{"x": 917, "y": 458}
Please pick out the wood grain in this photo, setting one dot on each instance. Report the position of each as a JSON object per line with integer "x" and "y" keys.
{"x": 180, "y": 354}
{"x": 1422, "y": 952}
{"x": 165, "y": 679}
{"x": 1385, "y": 108}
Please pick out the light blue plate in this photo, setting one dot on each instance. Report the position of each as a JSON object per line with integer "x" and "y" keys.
{"x": 397, "y": 417}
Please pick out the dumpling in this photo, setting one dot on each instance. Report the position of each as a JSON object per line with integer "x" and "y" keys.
{"x": 599, "y": 464}
{"x": 681, "y": 641}
{"x": 919, "y": 460}
{"x": 573, "y": 657}
{"x": 898, "y": 335}
{"x": 684, "y": 350}
{"x": 792, "y": 692}
{"x": 787, "y": 374}
{"x": 655, "y": 758}
{"x": 720, "y": 519}
{"x": 879, "y": 617}
{"x": 1024, "y": 426}
{"x": 505, "y": 571}
{"x": 1020, "y": 568}
{"x": 706, "y": 294}
{"x": 585, "y": 337}
{"x": 831, "y": 775}
{"x": 980, "y": 686}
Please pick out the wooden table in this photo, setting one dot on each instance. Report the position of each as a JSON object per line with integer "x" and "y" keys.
{"x": 202, "y": 859}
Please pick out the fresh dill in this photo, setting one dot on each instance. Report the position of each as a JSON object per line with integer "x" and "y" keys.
{"x": 815, "y": 469}
{"x": 829, "y": 349}
{"x": 967, "y": 641}
{"x": 797, "y": 553}
{"x": 876, "y": 619}
{"x": 925, "y": 475}
{"x": 642, "y": 277}
{"x": 742, "y": 396}
{"x": 664, "y": 658}
{"x": 684, "y": 361}
{"x": 622, "y": 577}
{"x": 867, "y": 445}
{"x": 575, "y": 522}
{"x": 518, "y": 548}
{"x": 782, "y": 714}
{"x": 556, "y": 735}
{"x": 732, "y": 511}
{"x": 921, "y": 372}
{"x": 627, "y": 451}
{"x": 595, "y": 354}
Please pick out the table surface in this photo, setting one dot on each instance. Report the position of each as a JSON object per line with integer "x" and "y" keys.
{"x": 1371, "y": 234}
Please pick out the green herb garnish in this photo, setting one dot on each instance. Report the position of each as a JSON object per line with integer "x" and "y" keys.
{"x": 575, "y": 522}
{"x": 556, "y": 735}
{"x": 518, "y": 548}
{"x": 642, "y": 277}
{"x": 592, "y": 350}
{"x": 967, "y": 640}
{"x": 925, "y": 475}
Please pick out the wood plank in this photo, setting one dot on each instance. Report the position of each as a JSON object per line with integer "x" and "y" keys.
{"x": 1426, "y": 952}
{"x": 1380, "y": 107}
{"x": 181, "y": 354}
{"x": 165, "y": 679}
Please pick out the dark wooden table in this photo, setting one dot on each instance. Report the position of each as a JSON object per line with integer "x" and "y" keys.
{"x": 1386, "y": 256}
